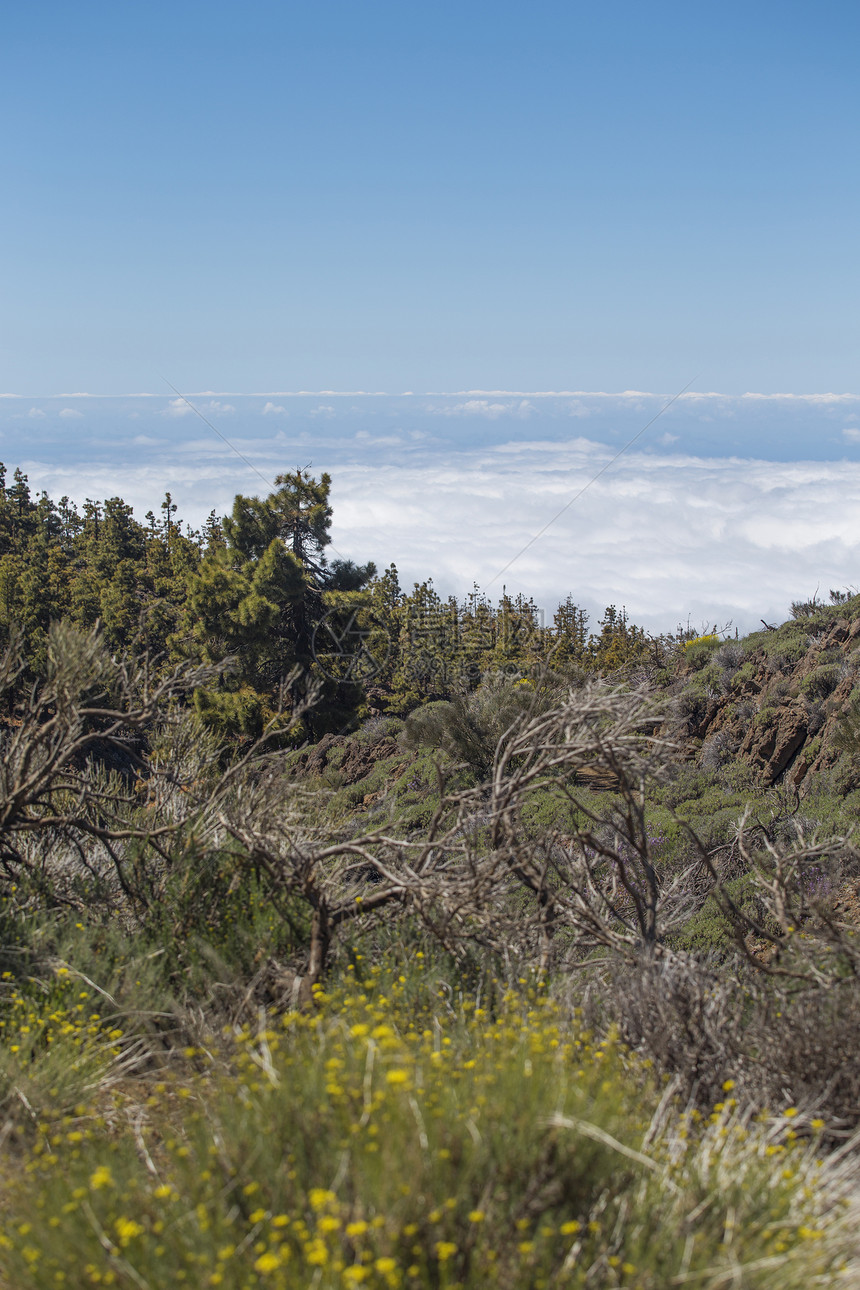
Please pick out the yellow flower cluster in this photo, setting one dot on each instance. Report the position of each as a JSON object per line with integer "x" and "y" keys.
{"x": 390, "y": 1140}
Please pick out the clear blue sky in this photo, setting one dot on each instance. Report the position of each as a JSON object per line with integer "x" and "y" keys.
{"x": 447, "y": 195}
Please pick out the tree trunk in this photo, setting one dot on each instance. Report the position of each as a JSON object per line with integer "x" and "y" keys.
{"x": 320, "y": 942}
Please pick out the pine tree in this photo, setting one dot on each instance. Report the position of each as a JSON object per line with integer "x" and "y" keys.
{"x": 571, "y": 635}
{"x": 258, "y": 598}
{"x": 620, "y": 642}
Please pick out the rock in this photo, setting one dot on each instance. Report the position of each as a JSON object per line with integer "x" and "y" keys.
{"x": 360, "y": 759}
{"x": 790, "y": 736}
{"x": 798, "y": 770}
{"x": 700, "y": 728}
{"x": 317, "y": 758}
{"x": 772, "y": 746}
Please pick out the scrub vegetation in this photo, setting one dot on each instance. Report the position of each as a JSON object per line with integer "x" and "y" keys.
{"x": 351, "y": 937}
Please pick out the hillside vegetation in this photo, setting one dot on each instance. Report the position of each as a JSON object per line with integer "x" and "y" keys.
{"x": 351, "y": 937}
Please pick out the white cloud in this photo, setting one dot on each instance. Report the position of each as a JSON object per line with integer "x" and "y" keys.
{"x": 35, "y": 413}
{"x": 667, "y": 438}
{"x": 324, "y": 410}
{"x": 477, "y": 408}
{"x": 178, "y": 408}
{"x": 182, "y": 408}
{"x": 577, "y": 408}
{"x": 71, "y": 414}
{"x": 484, "y": 408}
{"x": 527, "y": 447}
{"x": 692, "y": 395}
{"x": 801, "y": 398}
{"x": 367, "y": 440}
{"x": 274, "y": 409}
{"x": 668, "y": 537}
{"x": 667, "y": 534}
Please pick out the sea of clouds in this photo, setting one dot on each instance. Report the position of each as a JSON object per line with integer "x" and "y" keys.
{"x": 725, "y": 509}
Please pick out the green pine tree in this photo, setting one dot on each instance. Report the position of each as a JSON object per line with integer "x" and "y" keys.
{"x": 258, "y": 598}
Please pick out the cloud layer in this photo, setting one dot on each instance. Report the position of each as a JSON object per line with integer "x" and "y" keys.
{"x": 730, "y": 506}
{"x": 776, "y": 427}
{"x": 672, "y": 537}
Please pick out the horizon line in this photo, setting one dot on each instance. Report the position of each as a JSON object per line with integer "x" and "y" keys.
{"x": 821, "y": 396}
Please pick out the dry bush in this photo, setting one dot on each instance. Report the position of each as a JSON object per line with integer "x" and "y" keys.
{"x": 97, "y": 763}
{"x": 477, "y": 877}
{"x": 705, "y": 1025}
{"x": 589, "y": 895}
{"x": 781, "y": 1016}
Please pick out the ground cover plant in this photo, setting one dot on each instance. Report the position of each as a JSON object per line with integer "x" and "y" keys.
{"x": 398, "y": 1137}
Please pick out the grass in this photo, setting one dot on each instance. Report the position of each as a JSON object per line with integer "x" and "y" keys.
{"x": 55, "y": 1049}
{"x": 394, "y": 1138}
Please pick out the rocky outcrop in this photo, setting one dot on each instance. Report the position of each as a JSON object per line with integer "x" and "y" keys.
{"x": 772, "y": 745}
{"x": 779, "y": 708}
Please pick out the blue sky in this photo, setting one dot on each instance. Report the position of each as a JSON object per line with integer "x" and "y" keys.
{"x": 541, "y": 220}
{"x": 450, "y": 196}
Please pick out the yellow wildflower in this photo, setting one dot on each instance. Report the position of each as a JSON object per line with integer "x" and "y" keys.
{"x": 267, "y": 1262}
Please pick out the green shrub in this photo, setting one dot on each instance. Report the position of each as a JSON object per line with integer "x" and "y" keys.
{"x": 847, "y": 733}
{"x": 390, "y": 1141}
{"x": 698, "y": 651}
{"x": 746, "y": 672}
{"x": 766, "y": 715}
{"x": 468, "y": 727}
{"x": 821, "y": 682}
{"x": 708, "y": 930}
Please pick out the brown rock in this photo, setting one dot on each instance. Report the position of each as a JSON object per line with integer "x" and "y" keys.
{"x": 798, "y": 770}
{"x": 772, "y": 746}
{"x": 360, "y": 759}
{"x": 317, "y": 758}
{"x": 759, "y": 741}
{"x": 790, "y": 736}
{"x": 701, "y": 729}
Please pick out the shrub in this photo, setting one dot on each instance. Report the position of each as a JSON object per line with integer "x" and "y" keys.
{"x": 748, "y": 672}
{"x": 717, "y": 750}
{"x": 730, "y": 655}
{"x": 697, "y": 652}
{"x": 847, "y": 733}
{"x": 391, "y": 1141}
{"x": 821, "y": 682}
{"x": 805, "y": 608}
{"x": 378, "y": 728}
{"x": 470, "y": 727}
